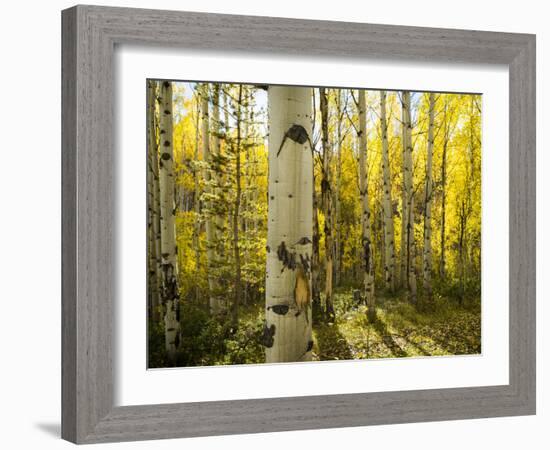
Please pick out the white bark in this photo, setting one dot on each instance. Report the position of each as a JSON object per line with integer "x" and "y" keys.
{"x": 366, "y": 243}
{"x": 427, "y": 254}
{"x": 408, "y": 213}
{"x": 154, "y": 256}
{"x": 210, "y": 220}
{"x": 443, "y": 239}
{"x": 389, "y": 236}
{"x": 337, "y": 189}
{"x": 287, "y": 335}
{"x": 170, "y": 294}
{"x": 402, "y": 266}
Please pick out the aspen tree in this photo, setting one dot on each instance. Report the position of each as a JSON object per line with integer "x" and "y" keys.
{"x": 210, "y": 221}
{"x": 247, "y": 200}
{"x": 366, "y": 242}
{"x": 287, "y": 333}
{"x": 170, "y": 291}
{"x": 404, "y": 198}
{"x": 389, "y": 238}
{"x": 153, "y": 224}
{"x": 427, "y": 253}
{"x": 326, "y": 197}
{"x": 337, "y": 189}
{"x": 408, "y": 214}
{"x": 197, "y": 196}
{"x": 446, "y": 135}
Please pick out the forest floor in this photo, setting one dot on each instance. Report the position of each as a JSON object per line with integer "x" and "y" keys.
{"x": 400, "y": 330}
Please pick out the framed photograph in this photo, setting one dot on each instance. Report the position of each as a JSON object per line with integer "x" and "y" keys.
{"x": 268, "y": 230}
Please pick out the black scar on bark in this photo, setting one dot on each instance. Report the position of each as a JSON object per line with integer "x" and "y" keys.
{"x": 267, "y": 248}
{"x": 303, "y": 241}
{"x": 266, "y": 339}
{"x": 309, "y": 346}
{"x": 287, "y": 258}
{"x": 305, "y": 263}
{"x": 166, "y": 156}
{"x": 296, "y": 133}
{"x": 169, "y": 288}
{"x": 366, "y": 255}
{"x": 281, "y": 310}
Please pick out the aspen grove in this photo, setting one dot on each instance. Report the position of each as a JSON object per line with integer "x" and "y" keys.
{"x": 292, "y": 223}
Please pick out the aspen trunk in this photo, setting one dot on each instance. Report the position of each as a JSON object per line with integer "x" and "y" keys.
{"x": 197, "y": 203}
{"x": 287, "y": 334}
{"x": 315, "y": 257}
{"x": 255, "y": 161}
{"x": 403, "y": 266}
{"x": 404, "y": 197}
{"x": 366, "y": 242}
{"x": 408, "y": 197}
{"x": 337, "y": 212}
{"x": 247, "y": 186}
{"x": 403, "y": 249}
{"x": 154, "y": 257}
{"x": 224, "y": 178}
{"x": 389, "y": 237}
{"x": 315, "y": 254}
{"x": 427, "y": 254}
{"x": 210, "y": 221}
{"x": 219, "y": 305}
{"x": 170, "y": 291}
{"x": 326, "y": 197}
{"x": 151, "y": 256}
{"x": 442, "y": 261}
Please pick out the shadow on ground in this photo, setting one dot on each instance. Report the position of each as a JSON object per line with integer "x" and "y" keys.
{"x": 330, "y": 342}
{"x": 388, "y": 338}
{"x": 53, "y": 429}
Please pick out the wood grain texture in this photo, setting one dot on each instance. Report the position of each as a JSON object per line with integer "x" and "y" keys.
{"x": 89, "y": 200}
{"x": 68, "y": 226}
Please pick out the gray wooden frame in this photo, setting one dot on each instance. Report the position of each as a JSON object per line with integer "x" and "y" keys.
{"x": 89, "y": 36}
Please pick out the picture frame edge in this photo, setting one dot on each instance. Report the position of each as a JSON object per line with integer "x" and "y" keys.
{"x": 89, "y": 34}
